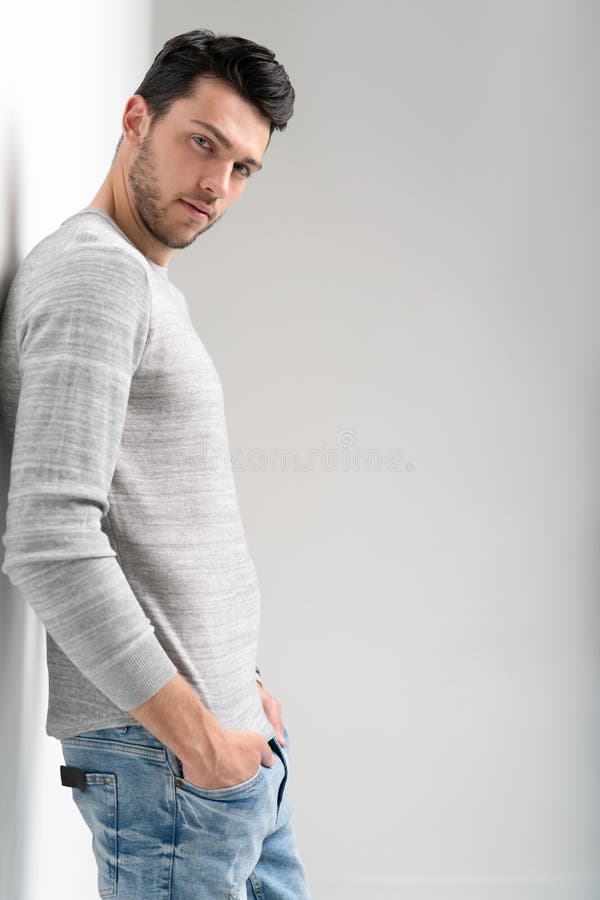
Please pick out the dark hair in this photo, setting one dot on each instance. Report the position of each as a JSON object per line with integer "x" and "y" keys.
{"x": 249, "y": 67}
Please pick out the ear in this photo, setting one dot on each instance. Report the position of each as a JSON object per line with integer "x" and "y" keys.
{"x": 136, "y": 120}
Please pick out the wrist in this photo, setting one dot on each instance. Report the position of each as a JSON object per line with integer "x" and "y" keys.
{"x": 202, "y": 744}
{"x": 178, "y": 718}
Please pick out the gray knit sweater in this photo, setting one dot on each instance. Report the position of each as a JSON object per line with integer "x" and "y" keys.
{"x": 123, "y": 529}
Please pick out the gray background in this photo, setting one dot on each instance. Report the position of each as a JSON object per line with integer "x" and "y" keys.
{"x": 416, "y": 269}
{"x": 415, "y": 274}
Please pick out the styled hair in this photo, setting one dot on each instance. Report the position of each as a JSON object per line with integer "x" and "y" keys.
{"x": 250, "y": 68}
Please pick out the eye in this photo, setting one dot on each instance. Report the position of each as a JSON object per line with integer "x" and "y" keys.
{"x": 198, "y": 138}
{"x": 247, "y": 173}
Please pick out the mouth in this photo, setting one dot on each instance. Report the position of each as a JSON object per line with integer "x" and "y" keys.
{"x": 200, "y": 213}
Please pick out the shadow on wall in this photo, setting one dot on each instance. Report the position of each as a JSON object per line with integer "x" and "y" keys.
{"x": 15, "y": 619}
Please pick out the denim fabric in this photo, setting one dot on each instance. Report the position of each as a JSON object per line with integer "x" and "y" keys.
{"x": 157, "y": 836}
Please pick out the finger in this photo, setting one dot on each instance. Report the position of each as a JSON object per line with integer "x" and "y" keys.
{"x": 267, "y": 756}
{"x": 278, "y": 726}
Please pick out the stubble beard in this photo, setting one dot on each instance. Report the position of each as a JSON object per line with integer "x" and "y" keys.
{"x": 144, "y": 186}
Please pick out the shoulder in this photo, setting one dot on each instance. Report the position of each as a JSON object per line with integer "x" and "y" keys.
{"x": 91, "y": 245}
{"x": 86, "y": 259}
{"x": 86, "y": 244}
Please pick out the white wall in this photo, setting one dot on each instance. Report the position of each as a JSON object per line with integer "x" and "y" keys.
{"x": 67, "y": 69}
{"x": 417, "y": 264}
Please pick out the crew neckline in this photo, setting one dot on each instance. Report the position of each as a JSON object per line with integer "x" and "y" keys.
{"x": 102, "y": 212}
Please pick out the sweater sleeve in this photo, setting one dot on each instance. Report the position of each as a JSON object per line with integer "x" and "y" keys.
{"x": 80, "y": 338}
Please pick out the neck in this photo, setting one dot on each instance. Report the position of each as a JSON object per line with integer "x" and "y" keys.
{"x": 114, "y": 198}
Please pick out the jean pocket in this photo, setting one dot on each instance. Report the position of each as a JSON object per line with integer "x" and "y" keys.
{"x": 98, "y": 807}
{"x": 233, "y": 792}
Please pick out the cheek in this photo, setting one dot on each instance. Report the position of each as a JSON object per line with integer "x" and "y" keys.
{"x": 237, "y": 188}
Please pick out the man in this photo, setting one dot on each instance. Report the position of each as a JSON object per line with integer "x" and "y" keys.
{"x": 123, "y": 527}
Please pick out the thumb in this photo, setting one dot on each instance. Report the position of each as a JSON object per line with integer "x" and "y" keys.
{"x": 278, "y": 726}
{"x": 267, "y": 756}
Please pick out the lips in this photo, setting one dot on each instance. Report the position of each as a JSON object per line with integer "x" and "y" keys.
{"x": 199, "y": 206}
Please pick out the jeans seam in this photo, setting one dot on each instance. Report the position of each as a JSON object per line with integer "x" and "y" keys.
{"x": 174, "y": 832}
{"x": 253, "y": 879}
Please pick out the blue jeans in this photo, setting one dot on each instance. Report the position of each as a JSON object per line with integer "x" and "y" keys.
{"x": 157, "y": 836}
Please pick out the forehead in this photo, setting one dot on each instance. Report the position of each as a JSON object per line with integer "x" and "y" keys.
{"x": 218, "y": 103}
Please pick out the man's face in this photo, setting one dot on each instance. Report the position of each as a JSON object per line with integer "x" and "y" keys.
{"x": 181, "y": 162}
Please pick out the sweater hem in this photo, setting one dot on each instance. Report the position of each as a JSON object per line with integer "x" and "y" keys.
{"x": 93, "y": 725}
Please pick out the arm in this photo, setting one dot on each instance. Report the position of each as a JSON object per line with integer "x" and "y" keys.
{"x": 81, "y": 336}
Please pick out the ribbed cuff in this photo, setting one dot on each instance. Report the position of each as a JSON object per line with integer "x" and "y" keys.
{"x": 137, "y": 676}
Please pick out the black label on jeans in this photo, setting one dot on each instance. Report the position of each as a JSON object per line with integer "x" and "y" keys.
{"x": 72, "y": 777}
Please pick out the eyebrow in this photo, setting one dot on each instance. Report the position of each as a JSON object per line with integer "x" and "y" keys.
{"x": 225, "y": 141}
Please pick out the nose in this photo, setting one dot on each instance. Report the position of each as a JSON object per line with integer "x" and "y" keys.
{"x": 215, "y": 178}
